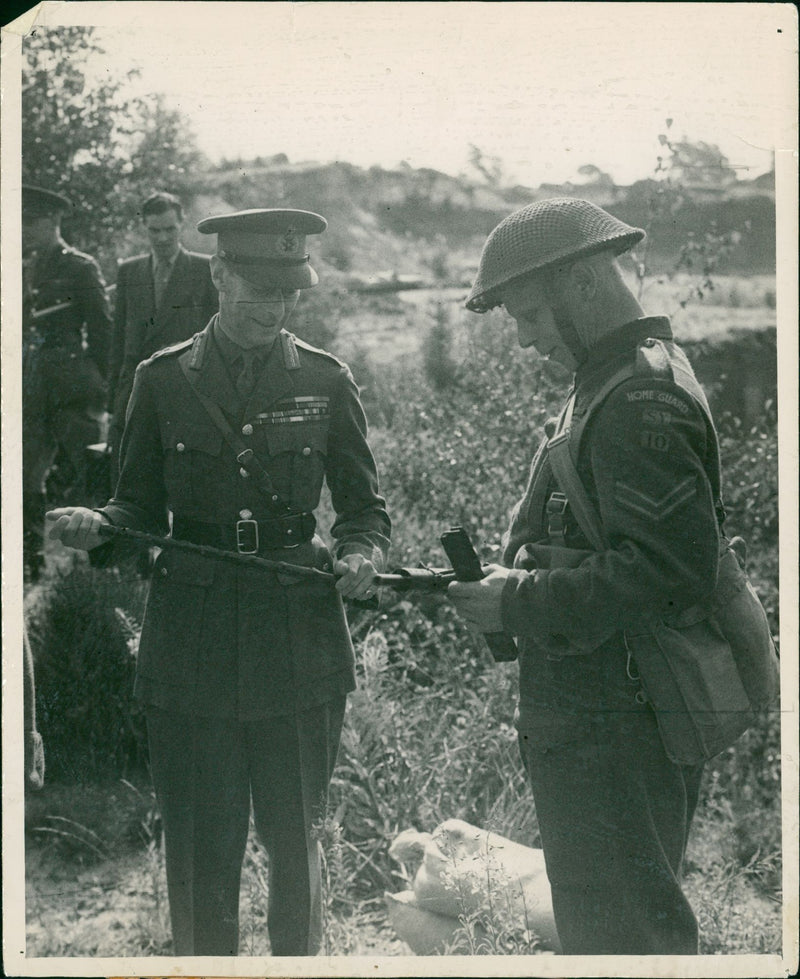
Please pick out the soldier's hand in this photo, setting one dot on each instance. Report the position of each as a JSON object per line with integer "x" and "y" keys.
{"x": 34, "y": 759}
{"x": 75, "y": 526}
{"x": 479, "y": 602}
{"x": 357, "y": 581}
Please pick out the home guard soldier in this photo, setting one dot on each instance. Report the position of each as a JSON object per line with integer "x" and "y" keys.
{"x": 66, "y": 325}
{"x": 613, "y": 810}
{"x": 243, "y": 672}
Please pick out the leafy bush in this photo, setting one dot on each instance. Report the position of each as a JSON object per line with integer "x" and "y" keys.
{"x": 83, "y": 633}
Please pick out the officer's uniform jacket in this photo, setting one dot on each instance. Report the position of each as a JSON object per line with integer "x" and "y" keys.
{"x": 140, "y": 327}
{"x": 647, "y": 458}
{"x": 218, "y": 639}
{"x": 63, "y": 276}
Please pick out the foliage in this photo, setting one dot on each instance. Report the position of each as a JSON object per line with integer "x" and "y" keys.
{"x": 93, "y": 142}
{"x": 82, "y": 635}
{"x": 437, "y": 358}
{"x": 461, "y": 457}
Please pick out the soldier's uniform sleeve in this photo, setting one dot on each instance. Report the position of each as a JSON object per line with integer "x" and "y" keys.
{"x": 96, "y": 312}
{"x": 362, "y": 525}
{"x": 140, "y": 498}
{"x": 646, "y": 451}
{"x": 117, "y": 348}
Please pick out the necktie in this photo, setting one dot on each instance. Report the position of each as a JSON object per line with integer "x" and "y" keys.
{"x": 161, "y": 278}
{"x": 248, "y": 373}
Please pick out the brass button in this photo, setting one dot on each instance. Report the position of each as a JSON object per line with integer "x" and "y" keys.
{"x": 245, "y": 514}
{"x": 163, "y": 572}
{"x": 274, "y": 499}
{"x": 289, "y": 531}
{"x": 307, "y": 451}
{"x": 244, "y": 473}
{"x": 247, "y": 429}
{"x": 180, "y": 447}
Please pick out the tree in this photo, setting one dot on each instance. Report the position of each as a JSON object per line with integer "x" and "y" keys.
{"x": 90, "y": 141}
{"x": 696, "y": 165}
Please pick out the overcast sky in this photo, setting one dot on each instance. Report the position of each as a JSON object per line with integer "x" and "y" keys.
{"x": 545, "y": 87}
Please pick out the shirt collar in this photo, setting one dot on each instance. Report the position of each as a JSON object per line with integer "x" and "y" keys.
{"x": 622, "y": 340}
{"x": 232, "y": 352}
{"x": 166, "y": 263}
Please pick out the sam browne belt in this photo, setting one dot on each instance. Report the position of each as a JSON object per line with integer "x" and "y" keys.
{"x": 248, "y": 536}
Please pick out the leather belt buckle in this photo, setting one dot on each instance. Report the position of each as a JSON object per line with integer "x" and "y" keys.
{"x": 247, "y": 536}
{"x": 556, "y": 508}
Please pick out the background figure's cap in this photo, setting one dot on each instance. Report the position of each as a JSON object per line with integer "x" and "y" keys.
{"x": 267, "y": 246}
{"x": 37, "y": 202}
{"x": 543, "y": 234}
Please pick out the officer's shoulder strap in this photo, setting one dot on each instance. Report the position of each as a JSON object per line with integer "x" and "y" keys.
{"x": 174, "y": 348}
{"x": 314, "y": 350}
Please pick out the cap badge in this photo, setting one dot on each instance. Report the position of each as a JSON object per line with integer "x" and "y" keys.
{"x": 289, "y": 242}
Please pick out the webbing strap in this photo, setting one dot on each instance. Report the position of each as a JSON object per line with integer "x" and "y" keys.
{"x": 562, "y": 451}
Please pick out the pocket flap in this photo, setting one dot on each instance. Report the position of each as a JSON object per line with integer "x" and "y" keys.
{"x": 184, "y": 568}
{"x": 183, "y": 437}
{"x": 301, "y": 437}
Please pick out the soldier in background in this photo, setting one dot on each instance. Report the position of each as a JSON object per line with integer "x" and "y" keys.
{"x": 162, "y": 298}
{"x": 66, "y": 327}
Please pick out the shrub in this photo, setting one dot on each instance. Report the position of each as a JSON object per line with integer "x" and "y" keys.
{"x": 437, "y": 359}
{"x": 83, "y": 632}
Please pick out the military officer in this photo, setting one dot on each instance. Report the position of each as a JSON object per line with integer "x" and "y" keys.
{"x": 244, "y": 673}
{"x": 66, "y": 325}
{"x": 613, "y": 810}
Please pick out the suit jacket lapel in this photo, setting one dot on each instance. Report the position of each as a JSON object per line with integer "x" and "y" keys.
{"x": 141, "y": 307}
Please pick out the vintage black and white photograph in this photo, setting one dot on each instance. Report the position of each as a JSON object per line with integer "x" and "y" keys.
{"x": 396, "y": 398}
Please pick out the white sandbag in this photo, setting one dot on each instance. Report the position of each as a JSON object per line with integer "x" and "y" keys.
{"x": 425, "y": 932}
{"x": 464, "y": 869}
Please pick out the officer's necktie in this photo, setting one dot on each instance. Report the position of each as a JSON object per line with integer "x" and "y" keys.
{"x": 249, "y": 369}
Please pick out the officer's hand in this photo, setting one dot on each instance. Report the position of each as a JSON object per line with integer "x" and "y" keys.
{"x": 357, "y": 581}
{"x": 75, "y": 526}
{"x": 34, "y": 759}
{"x": 478, "y": 602}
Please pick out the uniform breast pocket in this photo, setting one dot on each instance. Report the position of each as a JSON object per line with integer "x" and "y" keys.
{"x": 191, "y": 463}
{"x": 297, "y": 460}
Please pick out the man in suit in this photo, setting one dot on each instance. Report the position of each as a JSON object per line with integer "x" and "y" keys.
{"x": 243, "y": 673}
{"x": 162, "y": 298}
{"x": 66, "y": 326}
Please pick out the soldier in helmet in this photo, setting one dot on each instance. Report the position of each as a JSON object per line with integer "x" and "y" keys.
{"x": 66, "y": 327}
{"x": 243, "y": 673}
{"x": 614, "y": 811}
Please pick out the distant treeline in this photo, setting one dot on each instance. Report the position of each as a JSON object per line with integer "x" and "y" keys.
{"x": 432, "y": 206}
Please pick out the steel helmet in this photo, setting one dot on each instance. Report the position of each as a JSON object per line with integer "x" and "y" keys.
{"x": 544, "y": 234}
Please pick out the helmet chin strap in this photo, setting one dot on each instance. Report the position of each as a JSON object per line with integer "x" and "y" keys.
{"x": 572, "y": 341}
